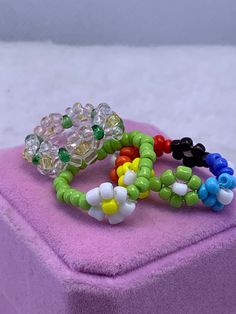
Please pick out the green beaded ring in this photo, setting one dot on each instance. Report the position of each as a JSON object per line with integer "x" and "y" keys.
{"x": 105, "y": 201}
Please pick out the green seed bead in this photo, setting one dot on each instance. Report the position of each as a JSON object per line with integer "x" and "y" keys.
{"x": 133, "y": 134}
{"x": 84, "y": 165}
{"x": 183, "y": 173}
{"x": 168, "y": 177}
{"x": 74, "y": 170}
{"x": 102, "y": 154}
{"x": 142, "y": 184}
{"x": 67, "y": 195}
{"x": 194, "y": 183}
{"x": 75, "y": 197}
{"x": 144, "y": 172}
{"x": 137, "y": 140}
{"x": 146, "y": 162}
{"x": 176, "y": 201}
{"x": 66, "y": 122}
{"x": 191, "y": 198}
{"x": 60, "y": 194}
{"x": 125, "y": 140}
{"x": 148, "y": 154}
{"x": 116, "y": 145}
{"x": 64, "y": 155}
{"x": 36, "y": 159}
{"x": 133, "y": 192}
{"x": 145, "y": 146}
{"x": 155, "y": 184}
{"x": 83, "y": 203}
{"x": 107, "y": 147}
{"x": 165, "y": 193}
{"x": 59, "y": 180}
{"x": 147, "y": 139}
{"x": 60, "y": 185}
{"x": 67, "y": 175}
{"x": 98, "y": 132}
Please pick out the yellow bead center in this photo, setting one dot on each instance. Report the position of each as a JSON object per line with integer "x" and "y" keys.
{"x": 109, "y": 207}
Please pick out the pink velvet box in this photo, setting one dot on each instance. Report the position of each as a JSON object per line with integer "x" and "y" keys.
{"x": 56, "y": 259}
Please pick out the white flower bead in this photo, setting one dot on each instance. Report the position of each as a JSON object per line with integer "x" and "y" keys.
{"x": 225, "y": 196}
{"x": 106, "y": 190}
{"x": 115, "y": 219}
{"x": 180, "y": 188}
{"x": 127, "y": 208}
{"x": 93, "y": 197}
{"x": 130, "y": 177}
{"x": 120, "y": 194}
{"x": 96, "y": 213}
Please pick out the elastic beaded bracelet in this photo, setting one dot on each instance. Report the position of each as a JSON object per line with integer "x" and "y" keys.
{"x": 71, "y": 139}
{"x": 106, "y": 201}
{"x": 181, "y": 186}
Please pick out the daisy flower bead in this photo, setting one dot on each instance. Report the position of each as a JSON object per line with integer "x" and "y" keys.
{"x": 109, "y": 202}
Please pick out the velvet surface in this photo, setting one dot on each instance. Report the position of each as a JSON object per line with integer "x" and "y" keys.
{"x": 155, "y": 229}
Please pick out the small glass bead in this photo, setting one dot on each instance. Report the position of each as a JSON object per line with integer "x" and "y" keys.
{"x": 64, "y": 155}
{"x": 66, "y": 122}
{"x": 98, "y": 132}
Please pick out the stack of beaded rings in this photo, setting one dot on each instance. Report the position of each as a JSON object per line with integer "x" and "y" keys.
{"x": 71, "y": 139}
{"x": 182, "y": 186}
{"x": 105, "y": 201}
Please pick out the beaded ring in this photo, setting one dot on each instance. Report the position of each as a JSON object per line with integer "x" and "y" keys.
{"x": 181, "y": 186}
{"x": 71, "y": 139}
{"x": 105, "y": 201}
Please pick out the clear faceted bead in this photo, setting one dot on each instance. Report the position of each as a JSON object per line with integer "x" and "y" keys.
{"x": 104, "y": 109}
{"x": 46, "y": 163}
{"x": 45, "y": 122}
{"x": 77, "y": 107}
{"x": 99, "y": 119}
{"x": 90, "y": 158}
{"x": 38, "y": 130}
{"x": 69, "y": 111}
{"x": 75, "y": 160}
{"x": 84, "y": 147}
{"x": 55, "y": 117}
{"x": 113, "y": 120}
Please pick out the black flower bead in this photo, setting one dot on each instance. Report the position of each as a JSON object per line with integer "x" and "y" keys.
{"x": 186, "y": 143}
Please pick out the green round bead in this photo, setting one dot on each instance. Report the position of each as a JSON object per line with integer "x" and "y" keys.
{"x": 101, "y": 154}
{"x": 137, "y": 140}
{"x": 67, "y": 195}
{"x": 142, "y": 184}
{"x": 64, "y": 155}
{"x": 74, "y": 170}
{"x": 115, "y": 144}
{"x": 108, "y": 147}
{"x": 133, "y": 134}
{"x": 98, "y": 132}
{"x": 133, "y": 192}
{"x": 67, "y": 175}
{"x": 194, "y": 183}
{"x": 60, "y": 194}
{"x": 144, "y": 172}
{"x": 176, "y": 200}
{"x": 145, "y": 146}
{"x": 168, "y": 177}
{"x": 183, "y": 173}
{"x": 155, "y": 184}
{"x": 165, "y": 193}
{"x": 125, "y": 140}
{"x": 146, "y": 162}
{"x": 59, "y": 181}
{"x": 148, "y": 154}
{"x": 66, "y": 122}
{"x": 75, "y": 197}
{"x": 36, "y": 159}
{"x": 83, "y": 202}
{"x": 147, "y": 139}
{"x": 191, "y": 198}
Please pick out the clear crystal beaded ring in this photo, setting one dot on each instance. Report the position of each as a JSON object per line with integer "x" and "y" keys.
{"x": 71, "y": 139}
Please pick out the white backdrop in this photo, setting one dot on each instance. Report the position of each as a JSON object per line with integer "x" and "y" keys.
{"x": 126, "y": 22}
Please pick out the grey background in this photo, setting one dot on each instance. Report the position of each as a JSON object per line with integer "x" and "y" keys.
{"x": 125, "y": 22}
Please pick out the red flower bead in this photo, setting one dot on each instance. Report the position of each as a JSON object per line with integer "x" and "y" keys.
{"x": 167, "y": 148}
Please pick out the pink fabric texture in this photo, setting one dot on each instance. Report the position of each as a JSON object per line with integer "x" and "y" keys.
{"x": 160, "y": 260}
